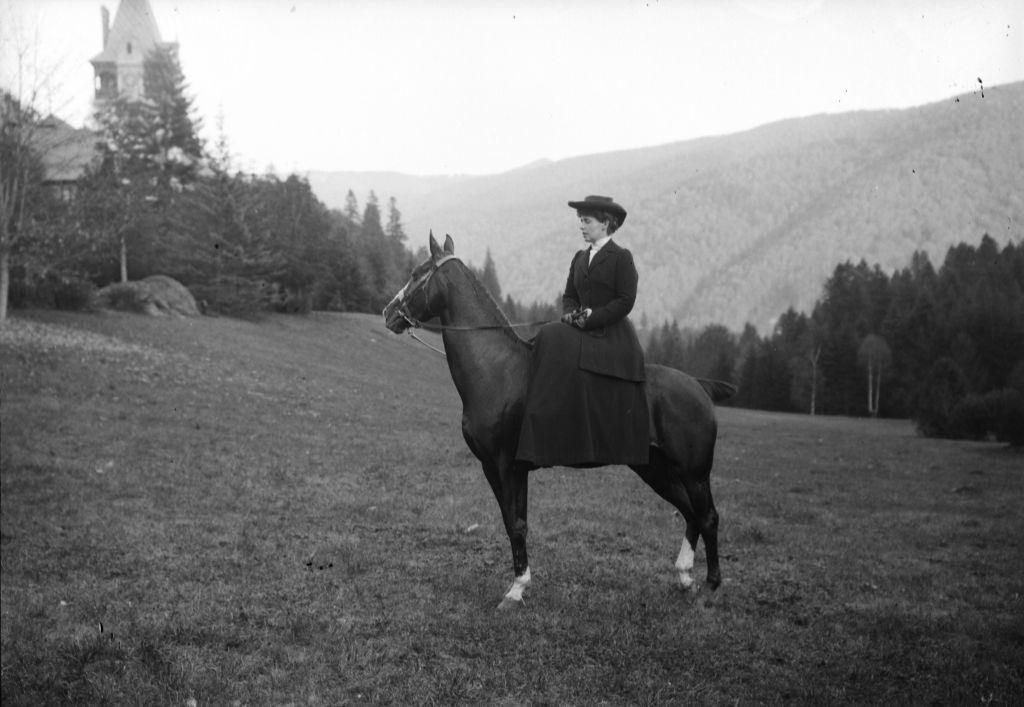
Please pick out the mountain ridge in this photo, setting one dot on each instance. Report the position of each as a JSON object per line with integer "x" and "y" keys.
{"x": 737, "y": 228}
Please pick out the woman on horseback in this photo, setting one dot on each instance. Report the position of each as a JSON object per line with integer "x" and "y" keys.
{"x": 586, "y": 403}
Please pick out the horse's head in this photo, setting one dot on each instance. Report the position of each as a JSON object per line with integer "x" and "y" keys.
{"x": 422, "y": 298}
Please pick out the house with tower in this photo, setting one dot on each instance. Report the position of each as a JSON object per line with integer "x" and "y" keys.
{"x": 120, "y": 67}
{"x": 119, "y": 70}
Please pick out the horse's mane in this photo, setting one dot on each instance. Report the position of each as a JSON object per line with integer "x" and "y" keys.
{"x": 487, "y": 299}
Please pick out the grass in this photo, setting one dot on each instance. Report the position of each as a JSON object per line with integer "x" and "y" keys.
{"x": 284, "y": 512}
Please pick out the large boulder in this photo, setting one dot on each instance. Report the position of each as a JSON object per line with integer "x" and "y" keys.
{"x": 157, "y": 295}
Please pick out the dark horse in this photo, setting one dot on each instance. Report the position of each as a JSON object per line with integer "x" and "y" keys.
{"x": 490, "y": 363}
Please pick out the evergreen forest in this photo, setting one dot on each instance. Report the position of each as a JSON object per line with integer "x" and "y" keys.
{"x": 944, "y": 347}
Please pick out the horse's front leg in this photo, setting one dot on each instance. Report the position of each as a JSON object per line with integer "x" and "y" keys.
{"x": 516, "y": 485}
{"x": 510, "y": 483}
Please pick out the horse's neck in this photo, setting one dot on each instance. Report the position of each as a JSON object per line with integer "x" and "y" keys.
{"x": 469, "y": 305}
{"x": 479, "y": 357}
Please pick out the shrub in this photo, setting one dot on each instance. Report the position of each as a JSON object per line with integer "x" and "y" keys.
{"x": 73, "y": 293}
{"x": 973, "y": 417}
{"x": 56, "y": 290}
{"x": 997, "y": 413}
{"x": 283, "y": 299}
{"x": 232, "y": 296}
{"x": 1008, "y": 415}
{"x": 294, "y": 303}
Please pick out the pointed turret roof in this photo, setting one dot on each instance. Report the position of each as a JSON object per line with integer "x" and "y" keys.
{"x": 134, "y": 26}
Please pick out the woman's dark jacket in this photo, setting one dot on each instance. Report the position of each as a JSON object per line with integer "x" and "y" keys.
{"x": 586, "y": 403}
{"x": 607, "y": 285}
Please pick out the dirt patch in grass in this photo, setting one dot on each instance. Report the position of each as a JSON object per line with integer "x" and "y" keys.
{"x": 284, "y": 511}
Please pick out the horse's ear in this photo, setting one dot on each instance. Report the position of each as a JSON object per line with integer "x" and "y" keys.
{"x": 435, "y": 247}
{"x": 449, "y": 245}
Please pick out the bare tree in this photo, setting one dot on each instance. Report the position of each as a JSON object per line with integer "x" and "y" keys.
{"x": 24, "y": 149}
{"x": 812, "y": 356}
{"x": 14, "y": 174}
{"x": 875, "y": 357}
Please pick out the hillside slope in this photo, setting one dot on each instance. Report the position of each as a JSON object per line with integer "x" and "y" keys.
{"x": 344, "y": 367}
{"x": 737, "y": 228}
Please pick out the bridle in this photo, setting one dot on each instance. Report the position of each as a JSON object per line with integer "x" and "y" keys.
{"x": 402, "y": 310}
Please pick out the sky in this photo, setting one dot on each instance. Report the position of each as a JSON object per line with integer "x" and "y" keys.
{"x": 480, "y": 86}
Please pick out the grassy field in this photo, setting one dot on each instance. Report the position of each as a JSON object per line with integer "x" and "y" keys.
{"x": 284, "y": 512}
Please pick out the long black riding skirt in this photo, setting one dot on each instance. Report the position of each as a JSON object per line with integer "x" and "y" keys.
{"x": 576, "y": 417}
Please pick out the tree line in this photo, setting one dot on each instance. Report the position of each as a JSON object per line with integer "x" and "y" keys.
{"x": 156, "y": 200}
{"x": 944, "y": 347}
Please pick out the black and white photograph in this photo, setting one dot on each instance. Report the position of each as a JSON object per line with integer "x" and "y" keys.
{"x": 511, "y": 352}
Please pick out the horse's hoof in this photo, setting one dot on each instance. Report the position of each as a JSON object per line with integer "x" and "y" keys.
{"x": 509, "y": 604}
{"x": 687, "y": 584}
{"x": 707, "y": 596}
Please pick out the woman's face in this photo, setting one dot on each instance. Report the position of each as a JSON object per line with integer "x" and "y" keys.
{"x": 592, "y": 229}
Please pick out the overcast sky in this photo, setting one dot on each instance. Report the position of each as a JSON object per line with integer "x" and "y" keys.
{"x": 479, "y": 86}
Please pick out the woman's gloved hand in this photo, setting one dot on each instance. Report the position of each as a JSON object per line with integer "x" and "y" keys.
{"x": 577, "y": 317}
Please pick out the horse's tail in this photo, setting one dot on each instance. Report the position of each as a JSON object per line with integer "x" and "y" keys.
{"x": 718, "y": 390}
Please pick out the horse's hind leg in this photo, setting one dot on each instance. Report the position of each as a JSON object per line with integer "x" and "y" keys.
{"x": 699, "y": 491}
{"x": 666, "y": 481}
{"x": 684, "y": 562}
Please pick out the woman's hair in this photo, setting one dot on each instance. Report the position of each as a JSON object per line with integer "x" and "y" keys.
{"x": 603, "y": 217}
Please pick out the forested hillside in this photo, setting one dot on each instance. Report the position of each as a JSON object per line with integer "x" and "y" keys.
{"x": 943, "y": 346}
{"x": 738, "y": 228}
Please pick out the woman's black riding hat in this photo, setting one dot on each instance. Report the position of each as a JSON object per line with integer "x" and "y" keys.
{"x": 604, "y": 204}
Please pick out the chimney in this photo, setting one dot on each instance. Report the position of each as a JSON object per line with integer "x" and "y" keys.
{"x": 105, "y": 13}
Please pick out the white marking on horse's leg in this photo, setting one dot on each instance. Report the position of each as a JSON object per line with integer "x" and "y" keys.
{"x": 519, "y": 584}
{"x": 684, "y": 563}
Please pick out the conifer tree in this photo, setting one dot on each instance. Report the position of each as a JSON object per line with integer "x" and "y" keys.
{"x": 179, "y": 127}
{"x": 351, "y": 211}
{"x": 712, "y": 354}
{"x": 489, "y": 277}
{"x": 126, "y": 187}
{"x": 394, "y": 229}
{"x": 150, "y": 150}
{"x": 377, "y": 253}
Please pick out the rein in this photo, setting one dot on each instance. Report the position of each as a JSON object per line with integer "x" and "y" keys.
{"x": 428, "y": 345}
{"x": 439, "y": 328}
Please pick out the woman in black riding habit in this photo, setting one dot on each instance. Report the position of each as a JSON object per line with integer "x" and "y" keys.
{"x": 586, "y": 402}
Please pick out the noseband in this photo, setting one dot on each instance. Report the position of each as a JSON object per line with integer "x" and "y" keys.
{"x": 402, "y": 308}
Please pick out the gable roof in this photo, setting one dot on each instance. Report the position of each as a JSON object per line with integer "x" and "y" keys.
{"x": 134, "y": 24}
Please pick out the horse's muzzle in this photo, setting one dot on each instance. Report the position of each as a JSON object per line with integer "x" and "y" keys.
{"x": 394, "y": 317}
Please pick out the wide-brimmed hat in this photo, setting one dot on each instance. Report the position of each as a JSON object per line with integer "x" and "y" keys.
{"x": 604, "y": 204}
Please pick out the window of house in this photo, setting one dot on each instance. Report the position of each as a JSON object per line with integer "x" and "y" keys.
{"x": 106, "y": 84}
